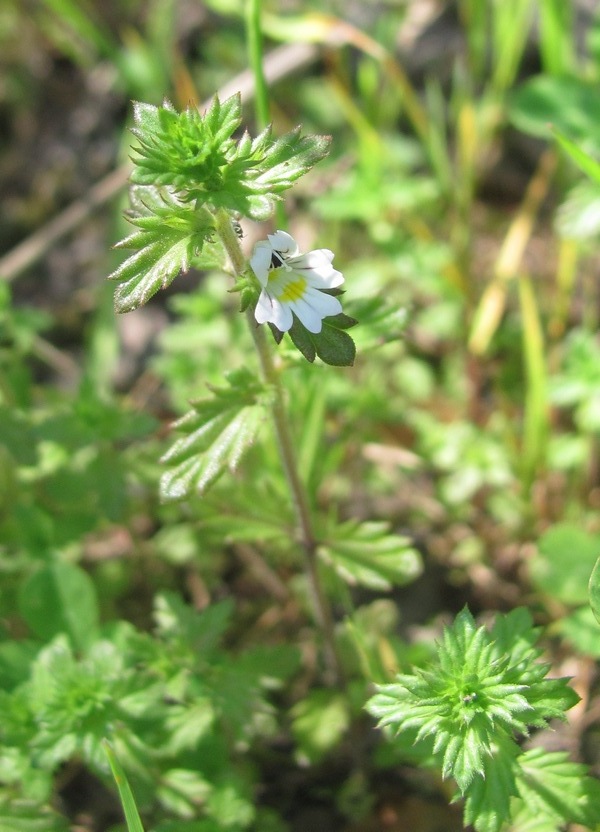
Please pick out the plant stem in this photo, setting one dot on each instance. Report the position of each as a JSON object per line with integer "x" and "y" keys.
{"x": 271, "y": 376}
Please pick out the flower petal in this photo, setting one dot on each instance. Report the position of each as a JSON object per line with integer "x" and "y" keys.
{"x": 317, "y": 259}
{"x": 269, "y": 309}
{"x": 313, "y": 307}
{"x": 260, "y": 261}
{"x": 264, "y": 308}
{"x": 282, "y": 316}
{"x": 284, "y": 243}
{"x": 308, "y": 316}
{"x": 325, "y": 304}
{"x": 318, "y": 264}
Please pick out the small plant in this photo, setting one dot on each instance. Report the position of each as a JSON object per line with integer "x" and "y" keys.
{"x": 192, "y": 183}
{"x": 466, "y": 712}
{"x": 215, "y": 648}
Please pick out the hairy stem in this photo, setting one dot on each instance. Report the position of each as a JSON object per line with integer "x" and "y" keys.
{"x": 270, "y": 374}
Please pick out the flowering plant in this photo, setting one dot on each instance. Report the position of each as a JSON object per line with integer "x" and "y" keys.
{"x": 191, "y": 185}
{"x": 191, "y": 181}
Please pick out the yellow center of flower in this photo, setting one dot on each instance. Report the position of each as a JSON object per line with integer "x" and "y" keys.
{"x": 294, "y": 290}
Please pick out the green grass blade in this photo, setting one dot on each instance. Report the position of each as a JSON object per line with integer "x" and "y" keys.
{"x": 132, "y": 818}
{"x": 255, "y": 55}
{"x": 582, "y": 159}
{"x": 474, "y": 17}
{"x": 78, "y": 17}
{"x": 262, "y": 104}
{"x": 511, "y": 27}
{"x": 557, "y": 36}
{"x": 535, "y": 429}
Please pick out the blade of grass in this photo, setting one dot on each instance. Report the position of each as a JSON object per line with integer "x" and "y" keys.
{"x": 556, "y": 36}
{"x": 78, "y": 20}
{"x": 493, "y": 301}
{"x": 132, "y": 818}
{"x": 262, "y": 105}
{"x": 511, "y": 24}
{"x": 566, "y": 274}
{"x": 535, "y": 423}
{"x": 474, "y": 17}
{"x": 582, "y": 159}
{"x": 318, "y": 27}
{"x": 255, "y": 55}
{"x": 371, "y": 145}
{"x": 439, "y": 144}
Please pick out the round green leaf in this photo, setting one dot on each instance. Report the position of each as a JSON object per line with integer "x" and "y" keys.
{"x": 580, "y": 629}
{"x": 60, "y": 598}
{"x": 565, "y": 559}
{"x": 570, "y": 105}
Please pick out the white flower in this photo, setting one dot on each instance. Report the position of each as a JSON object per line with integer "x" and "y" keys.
{"x": 292, "y": 283}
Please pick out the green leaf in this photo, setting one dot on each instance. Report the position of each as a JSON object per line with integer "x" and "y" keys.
{"x": 218, "y": 431}
{"x": 318, "y": 723}
{"x": 367, "y": 554}
{"x": 201, "y": 630}
{"x": 188, "y": 724}
{"x": 231, "y": 805}
{"x": 381, "y": 321}
{"x": 134, "y": 823}
{"x": 196, "y": 155}
{"x": 522, "y": 820}
{"x": 248, "y": 515}
{"x": 21, "y": 815}
{"x": 76, "y": 701}
{"x": 170, "y": 234}
{"x": 549, "y": 699}
{"x": 464, "y": 756}
{"x": 587, "y": 163}
{"x": 578, "y": 218}
{"x": 333, "y": 346}
{"x": 580, "y": 629}
{"x": 562, "y": 567}
{"x": 287, "y": 159}
{"x": 552, "y": 786}
{"x": 180, "y": 791}
{"x": 488, "y": 800}
{"x": 514, "y": 633}
{"x": 60, "y": 598}
{"x": 595, "y": 590}
{"x": 566, "y": 104}
{"x": 185, "y": 150}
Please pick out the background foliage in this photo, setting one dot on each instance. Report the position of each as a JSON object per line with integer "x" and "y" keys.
{"x": 455, "y": 462}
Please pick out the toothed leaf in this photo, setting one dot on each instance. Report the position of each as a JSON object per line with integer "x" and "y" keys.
{"x": 367, "y": 554}
{"x": 217, "y": 432}
{"x": 333, "y": 346}
{"x": 169, "y": 235}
